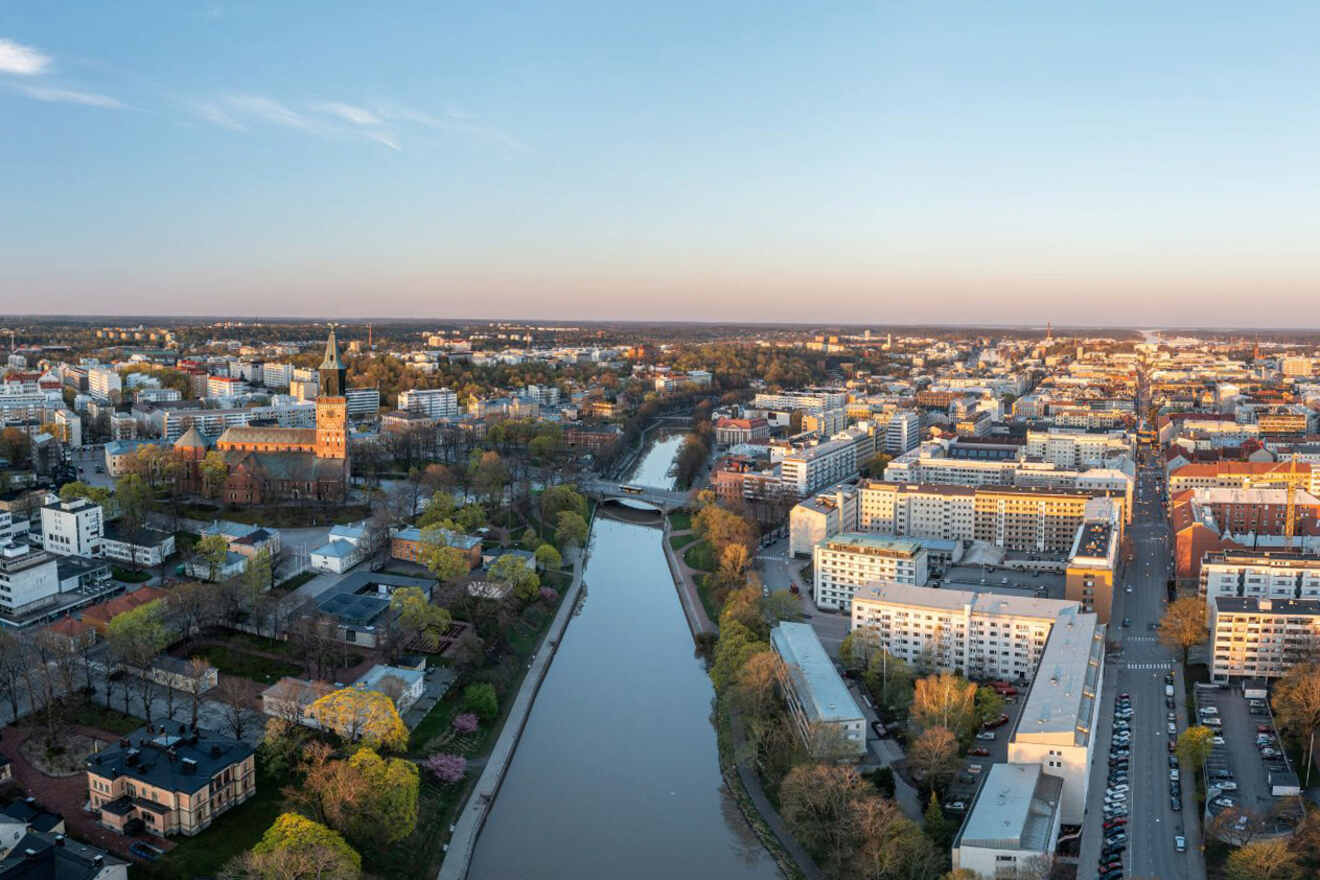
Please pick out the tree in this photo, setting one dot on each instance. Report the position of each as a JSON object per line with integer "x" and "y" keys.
{"x": 362, "y": 715}
{"x": 548, "y": 558}
{"x": 570, "y": 530}
{"x": 736, "y": 645}
{"x": 480, "y": 699}
{"x": 817, "y": 802}
{"x": 281, "y": 745}
{"x": 134, "y": 496}
{"x": 989, "y": 705}
{"x": 1297, "y": 706}
{"x": 1183, "y": 625}
{"x": 935, "y": 824}
{"x": 945, "y": 700}
{"x": 387, "y": 812}
{"x": 448, "y": 564}
{"x": 557, "y": 499}
{"x": 892, "y": 846}
{"x": 418, "y": 618}
{"x": 1270, "y": 859}
{"x": 513, "y": 570}
{"x": 233, "y": 705}
{"x": 212, "y": 550}
{"x": 447, "y": 768}
{"x": 934, "y": 755}
{"x": 733, "y": 560}
{"x": 875, "y": 466}
{"x": 258, "y": 576}
{"x": 296, "y": 848}
{"x": 1194, "y": 746}
{"x": 135, "y": 638}
{"x": 214, "y": 471}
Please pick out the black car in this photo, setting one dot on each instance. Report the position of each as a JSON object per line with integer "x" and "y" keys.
{"x": 1175, "y": 790}
{"x": 1175, "y": 804}
{"x": 1173, "y": 762}
{"x": 1168, "y": 703}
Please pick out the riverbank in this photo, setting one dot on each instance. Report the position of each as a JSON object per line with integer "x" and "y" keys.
{"x": 703, "y": 629}
{"x": 463, "y": 841}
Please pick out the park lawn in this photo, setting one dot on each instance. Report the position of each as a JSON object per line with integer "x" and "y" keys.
{"x": 250, "y": 666}
{"x": 128, "y": 575}
{"x": 680, "y": 521}
{"x": 233, "y": 833}
{"x": 700, "y": 556}
{"x": 707, "y": 596}
{"x": 678, "y": 542}
{"x": 95, "y": 715}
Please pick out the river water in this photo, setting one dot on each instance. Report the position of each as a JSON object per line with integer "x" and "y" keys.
{"x": 616, "y": 775}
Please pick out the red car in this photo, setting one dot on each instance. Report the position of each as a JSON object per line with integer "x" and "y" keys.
{"x": 998, "y": 722}
{"x": 1115, "y": 822}
{"x": 980, "y": 752}
{"x": 1263, "y": 728}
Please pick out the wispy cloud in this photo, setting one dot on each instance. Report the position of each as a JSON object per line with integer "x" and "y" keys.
{"x": 382, "y": 137}
{"x": 348, "y": 112}
{"x": 68, "y": 96}
{"x": 21, "y": 60}
{"x": 215, "y": 114}
{"x": 455, "y": 121}
{"x": 270, "y": 110}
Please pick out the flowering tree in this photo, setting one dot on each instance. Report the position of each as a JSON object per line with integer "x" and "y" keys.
{"x": 548, "y": 594}
{"x": 447, "y": 768}
{"x": 465, "y": 723}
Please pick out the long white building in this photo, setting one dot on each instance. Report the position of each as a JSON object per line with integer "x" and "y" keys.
{"x": 435, "y": 403}
{"x": 1259, "y": 574}
{"x": 814, "y": 467}
{"x": 844, "y": 564}
{"x": 979, "y": 635}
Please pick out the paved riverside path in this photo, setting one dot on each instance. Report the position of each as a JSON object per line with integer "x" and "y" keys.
{"x": 684, "y": 581}
{"x": 463, "y": 841}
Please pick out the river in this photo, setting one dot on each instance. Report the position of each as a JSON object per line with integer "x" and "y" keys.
{"x": 617, "y": 774}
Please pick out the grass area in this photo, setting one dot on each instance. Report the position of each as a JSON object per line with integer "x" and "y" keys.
{"x": 678, "y": 542}
{"x": 234, "y": 832}
{"x": 248, "y": 641}
{"x": 680, "y": 521}
{"x": 250, "y": 666}
{"x": 128, "y": 575}
{"x": 700, "y": 556}
{"x": 296, "y": 581}
{"x": 707, "y": 597}
{"x": 95, "y": 715}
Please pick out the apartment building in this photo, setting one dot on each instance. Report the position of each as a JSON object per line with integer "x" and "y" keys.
{"x": 224, "y": 386}
{"x": 1077, "y": 450}
{"x": 436, "y": 403}
{"x": 362, "y": 403}
{"x": 29, "y": 579}
{"x": 104, "y": 382}
{"x": 1031, "y": 520}
{"x": 810, "y": 400}
{"x": 170, "y": 783}
{"x": 174, "y": 423}
{"x": 842, "y": 565}
{"x": 827, "y": 718}
{"x": 822, "y": 516}
{"x": 1259, "y": 574}
{"x": 1245, "y": 475}
{"x": 1093, "y": 562}
{"x": 917, "y": 510}
{"x": 1297, "y": 367}
{"x": 72, "y": 528}
{"x": 1261, "y": 638}
{"x": 815, "y": 467}
{"x": 276, "y": 375}
{"x": 977, "y": 634}
{"x": 1057, "y": 726}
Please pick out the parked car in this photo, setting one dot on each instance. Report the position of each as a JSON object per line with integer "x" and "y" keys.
{"x": 974, "y": 768}
{"x": 1227, "y": 785}
{"x": 1217, "y": 740}
{"x": 1179, "y": 843}
{"x": 1175, "y": 804}
{"x": 986, "y": 735}
{"x": 998, "y": 722}
{"x": 979, "y": 751}
{"x": 956, "y": 806}
{"x": 1173, "y": 728}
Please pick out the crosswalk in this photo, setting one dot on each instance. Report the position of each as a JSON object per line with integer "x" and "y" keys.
{"x": 1141, "y": 667}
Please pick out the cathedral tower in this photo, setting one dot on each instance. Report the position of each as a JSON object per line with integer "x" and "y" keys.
{"x": 332, "y": 405}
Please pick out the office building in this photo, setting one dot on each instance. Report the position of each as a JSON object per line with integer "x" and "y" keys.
{"x": 363, "y": 403}
{"x": 1012, "y": 828}
{"x": 826, "y": 717}
{"x": 72, "y": 528}
{"x": 842, "y": 565}
{"x": 903, "y": 432}
{"x": 1057, "y": 725}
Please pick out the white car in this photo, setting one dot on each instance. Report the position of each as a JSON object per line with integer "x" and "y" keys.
{"x": 1209, "y": 710}
{"x": 1173, "y": 728}
{"x": 1217, "y": 740}
{"x": 956, "y": 806}
{"x": 1173, "y": 775}
{"x": 1180, "y": 843}
{"x": 1226, "y": 785}
{"x": 1121, "y": 788}
{"x": 986, "y": 735}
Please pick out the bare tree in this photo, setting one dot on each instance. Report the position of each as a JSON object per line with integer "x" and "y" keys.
{"x": 233, "y": 704}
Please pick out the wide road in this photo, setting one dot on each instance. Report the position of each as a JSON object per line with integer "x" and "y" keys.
{"x": 1139, "y": 670}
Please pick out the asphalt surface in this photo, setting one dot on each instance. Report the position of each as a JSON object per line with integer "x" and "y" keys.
{"x": 1138, "y": 668}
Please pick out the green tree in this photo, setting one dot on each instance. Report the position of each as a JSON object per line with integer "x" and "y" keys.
{"x": 419, "y": 618}
{"x": 736, "y": 644}
{"x": 989, "y": 705}
{"x": 512, "y": 569}
{"x": 447, "y": 563}
{"x": 480, "y": 699}
{"x": 1194, "y": 746}
{"x": 557, "y": 499}
{"x": 135, "y": 638}
{"x": 77, "y": 489}
{"x": 936, "y": 826}
{"x": 439, "y": 511}
{"x": 548, "y": 557}
{"x": 214, "y": 471}
{"x": 212, "y": 550}
{"x": 570, "y": 530}
{"x": 296, "y": 848}
{"x": 470, "y": 517}
{"x": 875, "y": 465}
{"x": 389, "y": 813}
{"x": 258, "y": 574}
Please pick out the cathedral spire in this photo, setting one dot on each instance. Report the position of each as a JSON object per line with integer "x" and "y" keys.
{"x": 334, "y": 375}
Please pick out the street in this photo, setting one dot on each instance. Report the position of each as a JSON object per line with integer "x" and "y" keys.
{"x": 1139, "y": 669}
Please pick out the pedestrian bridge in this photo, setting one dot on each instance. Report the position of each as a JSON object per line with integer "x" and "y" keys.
{"x": 663, "y": 500}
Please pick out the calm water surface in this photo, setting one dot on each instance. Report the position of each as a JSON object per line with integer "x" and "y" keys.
{"x": 617, "y": 773}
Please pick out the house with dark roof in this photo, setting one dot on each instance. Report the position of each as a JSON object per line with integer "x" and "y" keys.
{"x": 49, "y": 856}
{"x": 169, "y": 779}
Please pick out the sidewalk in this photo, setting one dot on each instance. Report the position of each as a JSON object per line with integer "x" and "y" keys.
{"x": 684, "y": 581}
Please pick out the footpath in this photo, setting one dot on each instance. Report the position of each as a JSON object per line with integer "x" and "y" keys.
{"x": 685, "y": 582}
{"x": 463, "y": 841}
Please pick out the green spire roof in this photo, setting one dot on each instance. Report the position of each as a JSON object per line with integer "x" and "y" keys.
{"x": 332, "y": 361}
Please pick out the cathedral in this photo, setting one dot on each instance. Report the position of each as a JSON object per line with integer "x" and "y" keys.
{"x": 273, "y": 464}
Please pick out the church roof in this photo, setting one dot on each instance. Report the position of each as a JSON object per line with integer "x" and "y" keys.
{"x": 249, "y": 434}
{"x": 332, "y": 361}
{"x": 191, "y": 439}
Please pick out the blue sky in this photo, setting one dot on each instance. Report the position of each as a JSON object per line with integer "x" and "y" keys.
{"x": 1131, "y": 163}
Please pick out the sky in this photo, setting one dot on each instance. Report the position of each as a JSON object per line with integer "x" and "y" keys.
{"x": 1128, "y": 163}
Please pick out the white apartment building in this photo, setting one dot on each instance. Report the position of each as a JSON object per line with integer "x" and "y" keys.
{"x": 903, "y": 432}
{"x": 28, "y": 578}
{"x": 223, "y": 386}
{"x": 1057, "y": 726}
{"x": 1293, "y": 367}
{"x": 435, "y": 403}
{"x": 1013, "y": 825}
{"x": 979, "y": 635}
{"x": 1077, "y": 450}
{"x": 811, "y": 400}
{"x": 943, "y": 512}
{"x": 72, "y": 528}
{"x": 820, "y": 517}
{"x": 815, "y": 467}
{"x": 843, "y": 565}
{"x": 68, "y": 427}
{"x": 363, "y": 403}
{"x": 1259, "y": 574}
{"x": 276, "y": 375}
{"x": 824, "y": 712}
{"x": 102, "y": 382}
{"x": 213, "y": 422}
{"x": 1262, "y": 638}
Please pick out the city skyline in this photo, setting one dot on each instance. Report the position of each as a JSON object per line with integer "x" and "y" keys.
{"x": 1106, "y": 167}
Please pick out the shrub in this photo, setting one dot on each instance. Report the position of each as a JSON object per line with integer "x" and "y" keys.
{"x": 480, "y": 699}
{"x": 466, "y": 723}
{"x": 447, "y": 768}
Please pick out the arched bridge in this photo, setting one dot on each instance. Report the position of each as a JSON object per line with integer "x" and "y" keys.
{"x": 664, "y": 500}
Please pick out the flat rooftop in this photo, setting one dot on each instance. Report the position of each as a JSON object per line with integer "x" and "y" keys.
{"x": 1061, "y": 700}
{"x": 1254, "y": 605}
{"x": 819, "y": 687}
{"x": 1023, "y": 584}
{"x": 1014, "y": 809}
{"x": 870, "y": 543}
{"x": 954, "y": 600}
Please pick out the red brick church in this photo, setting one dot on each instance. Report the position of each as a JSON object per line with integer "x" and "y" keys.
{"x": 271, "y": 464}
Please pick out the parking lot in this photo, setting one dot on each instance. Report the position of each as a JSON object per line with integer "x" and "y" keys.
{"x": 966, "y": 783}
{"x": 1240, "y": 772}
